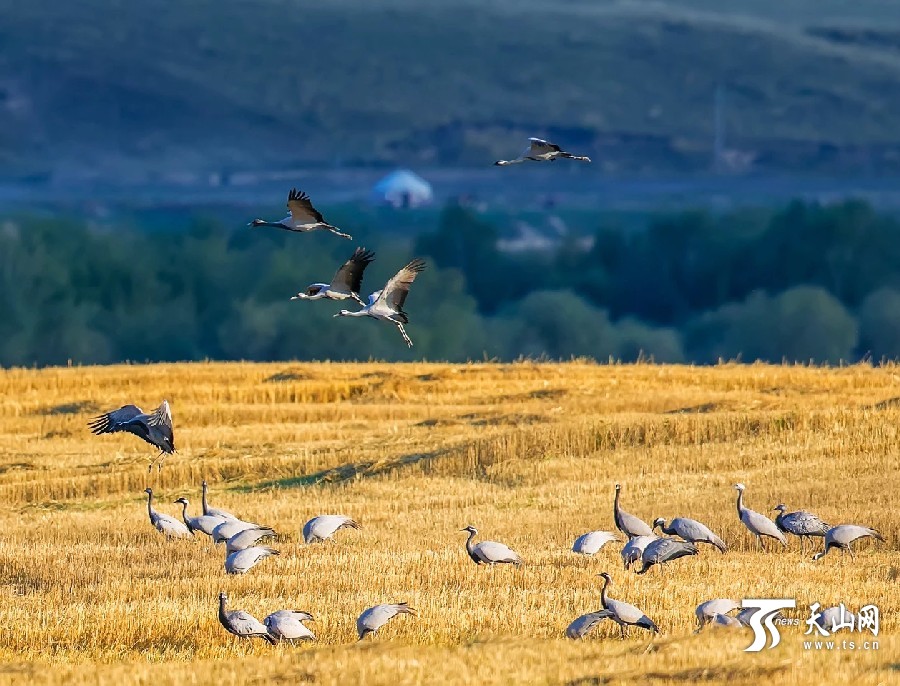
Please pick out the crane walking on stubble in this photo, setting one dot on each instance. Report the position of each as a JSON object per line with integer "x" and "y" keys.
{"x": 229, "y": 528}
{"x": 242, "y": 561}
{"x": 801, "y": 524}
{"x": 624, "y": 614}
{"x": 627, "y": 523}
{"x": 204, "y": 523}
{"x": 387, "y": 304}
{"x": 287, "y": 625}
{"x": 213, "y": 511}
{"x": 707, "y": 611}
{"x": 591, "y": 542}
{"x": 665, "y": 550}
{"x": 242, "y": 624}
{"x": 163, "y": 523}
{"x": 376, "y": 617}
{"x": 489, "y": 552}
{"x": 539, "y": 150}
{"x": 843, "y": 535}
{"x": 581, "y": 626}
{"x": 345, "y": 283}
{"x": 154, "y": 427}
{"x": 323, "y": 527}
{"x": 247, "y": 538}
{"x": 632, "y": 551}
{"x": 690, "y": 530}
{"x": 758, "y": 524}
{"x": 303, "y": 217}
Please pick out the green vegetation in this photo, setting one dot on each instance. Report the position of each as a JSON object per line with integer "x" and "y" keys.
{"x": 806, "y": 282}
{"x": 165, "y": 87}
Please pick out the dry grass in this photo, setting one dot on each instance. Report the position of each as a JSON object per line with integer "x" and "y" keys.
{"x": 528, "y": 453}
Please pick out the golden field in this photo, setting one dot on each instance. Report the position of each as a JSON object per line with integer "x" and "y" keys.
{"x": 527, "y": 452}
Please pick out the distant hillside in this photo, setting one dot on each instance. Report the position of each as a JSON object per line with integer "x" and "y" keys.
{"x": 128, "y": 89}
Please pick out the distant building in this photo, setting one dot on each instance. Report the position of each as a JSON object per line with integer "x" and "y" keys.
{"x": 401, "y": 189}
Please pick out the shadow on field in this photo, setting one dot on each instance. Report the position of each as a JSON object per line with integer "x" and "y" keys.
{"x": 885, "y": 404}
{"x": 694, "y": 676}
{"x": 695, "y": 409}
{"x": 348, "y": 471}
{"x": 78, "y": 407}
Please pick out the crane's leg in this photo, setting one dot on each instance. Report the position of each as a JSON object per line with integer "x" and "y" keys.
{"x": 338, "y": 233}
{"x": 403, "y": 333}
{"x": 850, "y": 550}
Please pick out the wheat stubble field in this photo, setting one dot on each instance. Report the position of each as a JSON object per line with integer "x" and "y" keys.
{"x": 528, "y": 453}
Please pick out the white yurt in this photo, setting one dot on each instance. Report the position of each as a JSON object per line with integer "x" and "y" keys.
{"x": 402, "y": 188}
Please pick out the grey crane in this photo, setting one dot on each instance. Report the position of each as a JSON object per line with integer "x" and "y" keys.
{"x": 163, "y": 523}
{"x": 627, "y": 523}
{"x": 323, "y": 527}
{"x": 690, "y": 530}
{"x": 154, "y": 427}
{"x": 801, "y": 524}
{"x": 758, "y": 524}
{"x": 489, "y": 552}
{"x": 247, "y": 538}
{"x": 204, "y": 523}
{"x": 229, "y": 528}
{"x": 624, "y": 614}
{"x": 345, "y": 283}
{"x": 242, "y": 624}
{"x": 665, "y": 550}
{"x": 302, "y": 217}
{"x": 387, "y": 304}
{"x": 726, "y": 621}
{"x": 241, "y": 561}
{"x": 583, "y": 625}
{"x": 539, "y": 150}
{"x": 632, "y": 551}
{"x": 591, "y": 542}
{"x": 707, "y": 611}
{"x": 843, "y": 535}
{"x": 376, "y": 617}
{"x": 287, "y": 625}
{"x": 207, "y": 510}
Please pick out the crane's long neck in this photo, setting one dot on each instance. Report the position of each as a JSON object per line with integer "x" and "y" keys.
{"x": 740, "y": 502}
{"x": 469, "y": 545}
{"x": 205, "y": 506}
{"x": 603, "y": 592}
{"x": 616, "y": 508}
{"x": 364, "y": 312}
{"x": 668, "y": 530}
{"x": 150, "y": 505}
{"x": 184, "y": 514}
{"x": 222, "y": 616}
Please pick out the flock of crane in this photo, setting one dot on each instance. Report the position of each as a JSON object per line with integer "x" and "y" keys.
{"x": 242, "y": 539}
{"x": 387, "y": 304}
{"x": 243, "y": 550}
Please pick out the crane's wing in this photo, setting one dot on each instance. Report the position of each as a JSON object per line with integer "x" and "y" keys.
{"x": 115, "y": 420}
{"x": 301, "y": 208}
{"x": 162, "y": 416}
{"x": 396, "y": 290}
{"x": 540, "y": 147}
{"x": 349, "y": 276}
